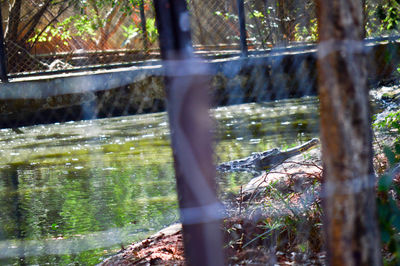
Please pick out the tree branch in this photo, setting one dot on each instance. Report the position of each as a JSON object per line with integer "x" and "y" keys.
{"x": 34, "y": 21}
{"x": 13, "y": 21}
{"x": 114, "y": 30}
{"x": 60, "y": 12}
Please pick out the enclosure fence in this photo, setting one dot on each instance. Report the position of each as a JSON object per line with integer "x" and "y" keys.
{"x": 131, "y": 37}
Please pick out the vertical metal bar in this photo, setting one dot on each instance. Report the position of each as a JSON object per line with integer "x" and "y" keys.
{"x": 187, "y": 86}
{"x": 143, "y": 24}
{"x": 173, "y": 25}
{"x": 242, "y": 25}
{"x": 3, "y": 68}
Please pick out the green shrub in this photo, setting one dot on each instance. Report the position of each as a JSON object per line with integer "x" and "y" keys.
{"x": 388, "y": 198}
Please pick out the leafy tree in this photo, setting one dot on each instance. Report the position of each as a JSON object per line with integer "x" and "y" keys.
{"x": 20, "y": 27}
{"x": 94, "y": 21}
{"x": 98, "y": 21}
{"x": 107, "y": 23}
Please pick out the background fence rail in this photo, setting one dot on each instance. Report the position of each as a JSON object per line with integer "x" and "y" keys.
{"x": 67, "y": 37}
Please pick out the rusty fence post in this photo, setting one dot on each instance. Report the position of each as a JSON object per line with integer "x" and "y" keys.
{"x": 187, "y": 87}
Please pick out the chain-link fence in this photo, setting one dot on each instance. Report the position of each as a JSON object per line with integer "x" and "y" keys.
{"x": 62, "y": 42}
{"x": 66, "y": 37}
{"x": 215, "y": 30}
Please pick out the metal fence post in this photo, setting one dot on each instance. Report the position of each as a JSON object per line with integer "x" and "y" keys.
{"x": 143, "y": 24}
{"x": 187, "y": 87}
{"x": 3, "y": 68}
{"x": 242, "y": 25}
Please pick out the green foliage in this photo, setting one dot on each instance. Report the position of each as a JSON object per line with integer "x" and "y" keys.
{"x": 127, "y": 6}
{"x": 268, "y": 25}
{"x": 49, "y": 33}
{"x": 391, "y": 15}
{"x": 91, "y": 16}
{"x": 389, "y": 222}
{"x": 130, "y": 32}
{"x": 390, "y": 124}
{"x": 382, "y": 17}
{"x": 256, "y": 14}
{"x": 85, "y": 26}
{"x": 226, "y": 15}
{"x": 389, "y": 192}
{"x": 133, "y": 31}
{"x": 151, "y": 28}
{"x": 304, "y": 33}
{"x": 78, "y": 25}
{"x": 389, "y": 217}
{"x": 256, "y": 27}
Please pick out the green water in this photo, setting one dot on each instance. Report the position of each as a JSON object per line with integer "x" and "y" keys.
{"x": 72, "y": 193}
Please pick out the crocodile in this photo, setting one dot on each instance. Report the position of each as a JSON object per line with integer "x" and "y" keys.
{"x": 262, "y": 161}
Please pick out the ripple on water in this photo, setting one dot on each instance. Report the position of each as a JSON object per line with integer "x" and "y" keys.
{"x": 79, "y": 178}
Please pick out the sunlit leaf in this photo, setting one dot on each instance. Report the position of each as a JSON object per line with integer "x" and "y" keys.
{"x": 390, "y": 155}
{"x": 384, "y": 183}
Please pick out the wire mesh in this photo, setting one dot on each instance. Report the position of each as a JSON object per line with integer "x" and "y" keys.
{"x": 86, "y": 164}
{"x": 59, "y": 42}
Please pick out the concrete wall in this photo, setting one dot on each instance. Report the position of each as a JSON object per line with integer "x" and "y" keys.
{"x": 282, "y": 73}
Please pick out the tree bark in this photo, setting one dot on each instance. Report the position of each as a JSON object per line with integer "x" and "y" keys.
{"x": 352, "y": 236}
{"x": 110, "y": 32}
{"x": 105, "y": 30}
{"x": 13, "y": 21}
{"x": 286, "y": 25}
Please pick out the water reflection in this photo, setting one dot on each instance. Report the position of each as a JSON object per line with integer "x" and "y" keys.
{"x": 66, "y": 189}
{"x": 261, "y": 126}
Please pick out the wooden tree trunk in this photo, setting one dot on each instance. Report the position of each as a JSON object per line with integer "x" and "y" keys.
{"x": 285, "y": 8}
{"x": 13, "y": 21}
{"x": 352, "y": 236}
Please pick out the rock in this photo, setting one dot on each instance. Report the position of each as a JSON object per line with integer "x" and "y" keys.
{"x": 163, "y": 248}
{"x": 388, "y": 95}
{"x": 58, "y": 65}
